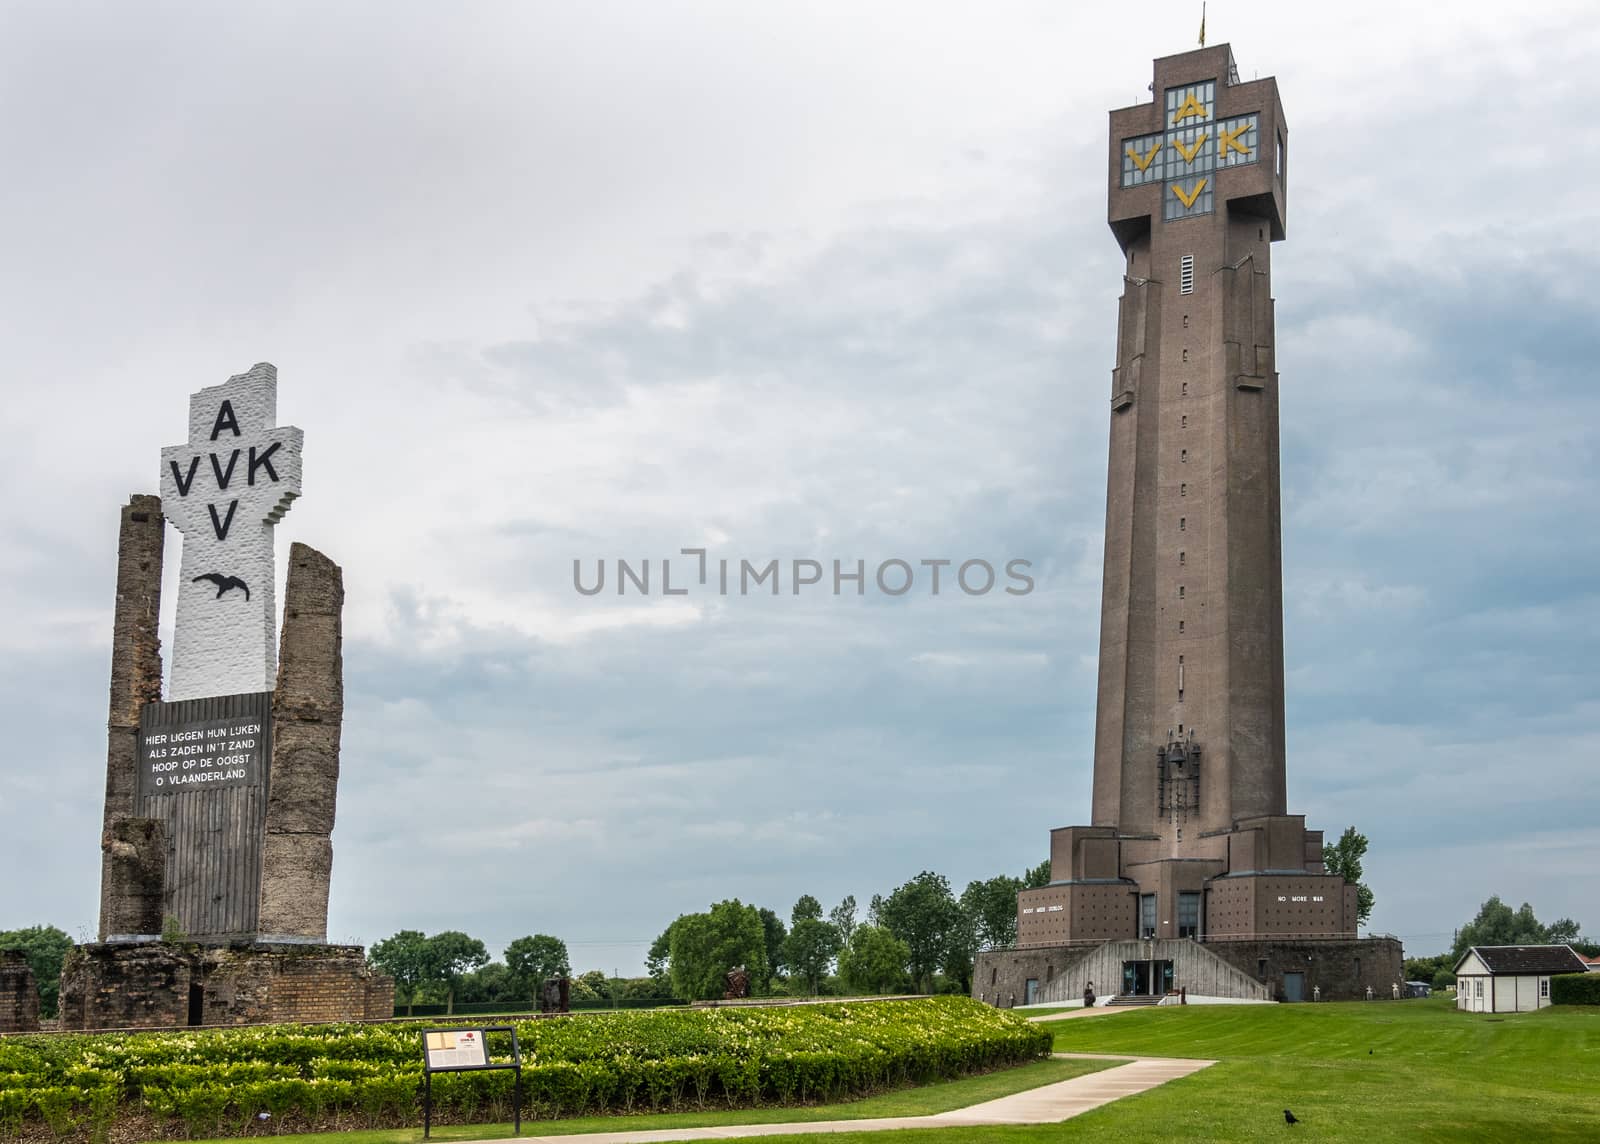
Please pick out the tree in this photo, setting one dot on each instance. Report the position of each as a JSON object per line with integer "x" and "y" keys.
{"x": 492, "y": 982}
{"x": 773, "y": 933}
{"x": 806, "y": 909}
{"x": 704, "y": 947}
{"x": 924, "y": 914}
{"x": 403, "y": 957}
{"x": 1038, "y": 876}
{"x": 808, "y": 949}
{"x": 1562, "y": 931}
{"x": 992, "y": 906}
{"x": 45, "y": 947}
{"x": 535, "y": 959}
{"x": 450, "y": 955}
{"x": 843, "y": 917}
{"x": 1344, "y": 858}
{"x": 596, "y": 982}
{"x": 656, "y": 962}
{"x": 1496, "y": 924}
{"x": 961, "y": 947}
{"x": 874, "y": 960}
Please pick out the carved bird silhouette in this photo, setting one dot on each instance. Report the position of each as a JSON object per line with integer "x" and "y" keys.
{"x": 224, "y": 583}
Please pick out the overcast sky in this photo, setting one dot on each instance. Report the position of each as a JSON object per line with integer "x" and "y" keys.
{"x": 547, "y": 282}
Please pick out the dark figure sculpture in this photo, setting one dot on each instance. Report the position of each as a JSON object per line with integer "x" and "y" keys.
{"x": 555, "y": 995}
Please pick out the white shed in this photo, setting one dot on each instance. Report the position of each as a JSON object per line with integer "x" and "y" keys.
{"x": 1511, "y": 978}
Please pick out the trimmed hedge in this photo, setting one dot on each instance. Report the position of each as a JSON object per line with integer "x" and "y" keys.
{"x": 303, "y": 1078}
{"x": 1575, "y": 989}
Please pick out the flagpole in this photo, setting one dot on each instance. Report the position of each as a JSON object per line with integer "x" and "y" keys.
{"x": 1202, "y": 23}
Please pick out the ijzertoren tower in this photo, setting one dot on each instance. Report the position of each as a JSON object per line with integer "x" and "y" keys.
{"x": 1191, "y": 835}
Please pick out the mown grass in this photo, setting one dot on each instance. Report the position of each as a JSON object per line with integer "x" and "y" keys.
{"x": 1368, "y": 1072}
{"x": 923, "y": 1101}
{"x": 1371, "y": 1073}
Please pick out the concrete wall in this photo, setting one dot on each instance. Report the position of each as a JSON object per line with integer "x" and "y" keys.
{"x": 1342, "y": 970}
{"x": 1194, "y": 968}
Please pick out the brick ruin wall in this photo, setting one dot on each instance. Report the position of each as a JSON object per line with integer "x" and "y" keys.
{"x": 19, "y": 994}
{"x": 156, "y": 985}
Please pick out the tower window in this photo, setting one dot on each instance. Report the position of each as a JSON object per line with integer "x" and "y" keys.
{"x": 1180, "y": 591}
{"x": 1182, "y": 524}
{"x": 1180, "y": 627}
{"x": 1183, "y": 422}
{"x": 1185, "y": 355}
{"x": 1180, "y": 559}
{"x": 1185, "y": 390}
{"x": 1183, "y": 455}
{"x": 1183, "y": 490}
{"x": 1186, "y": 321}
{"x": 1186, "y": 274}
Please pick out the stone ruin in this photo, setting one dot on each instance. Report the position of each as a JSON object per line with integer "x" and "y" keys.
{"x": 19, "y": 994}
{"x": 556, "y": 995}
{"x": 219, "y": 809}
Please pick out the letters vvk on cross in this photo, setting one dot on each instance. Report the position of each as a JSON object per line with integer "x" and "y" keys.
{"x": 224, "y": 489}
{"x": 227, "y": 421}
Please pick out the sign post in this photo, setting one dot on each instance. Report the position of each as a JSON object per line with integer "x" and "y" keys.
{"x": 466, "y": 1050}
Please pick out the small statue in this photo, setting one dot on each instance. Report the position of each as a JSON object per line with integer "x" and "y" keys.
{"x": 738, "y": 984}
{"x": 1088, "y": 994}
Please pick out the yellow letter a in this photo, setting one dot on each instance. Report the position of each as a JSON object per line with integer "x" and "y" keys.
{"x": 1189, "y": 110}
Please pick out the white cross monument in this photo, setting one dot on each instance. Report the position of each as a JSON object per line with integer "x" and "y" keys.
{"x": 225, "y": 489}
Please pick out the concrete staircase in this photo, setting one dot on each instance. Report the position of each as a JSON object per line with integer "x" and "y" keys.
{"x": 1130, "y": 999}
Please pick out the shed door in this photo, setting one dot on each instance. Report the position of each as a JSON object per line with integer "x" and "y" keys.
{"x": 1294, "y": 986}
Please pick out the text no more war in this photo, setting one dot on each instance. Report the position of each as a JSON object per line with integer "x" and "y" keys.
{"x": 225, "y": 473}
{"x": 894, "y": 577}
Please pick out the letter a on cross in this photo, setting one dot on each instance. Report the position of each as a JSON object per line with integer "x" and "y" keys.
{"x": 224, "y": 489}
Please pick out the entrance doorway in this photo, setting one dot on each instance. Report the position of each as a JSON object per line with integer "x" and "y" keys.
{"x": 197, "y": 1005}
{"x": 1146, "y": 978}
{"x": 1294, "y": 986}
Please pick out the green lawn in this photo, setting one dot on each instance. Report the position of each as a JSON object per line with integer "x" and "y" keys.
{"x": 923, "y": 1101}
{"x": 1365, "y": 1072}
{"x": 1369, "y": 1073}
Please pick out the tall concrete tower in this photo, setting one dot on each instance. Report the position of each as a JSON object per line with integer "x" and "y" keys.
{"x": 1190, "y": 834}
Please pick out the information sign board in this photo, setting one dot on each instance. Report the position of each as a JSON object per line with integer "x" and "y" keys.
{"x": 457, "y": 1049}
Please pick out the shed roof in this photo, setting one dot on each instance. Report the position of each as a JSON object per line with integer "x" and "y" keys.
{"x": 1526, "y": 959}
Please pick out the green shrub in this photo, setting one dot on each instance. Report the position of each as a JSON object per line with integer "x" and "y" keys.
{"x": 1575, "y": 989}
{"x": 206, "y": 1081}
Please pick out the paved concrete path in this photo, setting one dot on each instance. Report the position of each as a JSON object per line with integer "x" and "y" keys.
{"x": 1047, "y": 1104}
{"x": 1096, "y": 1011}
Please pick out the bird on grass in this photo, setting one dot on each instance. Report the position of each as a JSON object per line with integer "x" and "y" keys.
{"x": 1289, "y": 1117}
